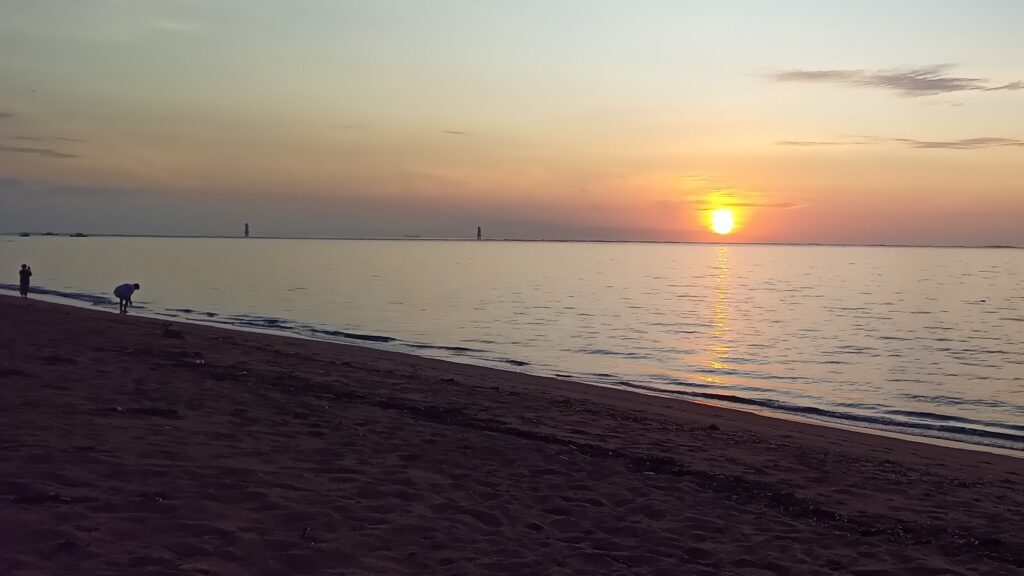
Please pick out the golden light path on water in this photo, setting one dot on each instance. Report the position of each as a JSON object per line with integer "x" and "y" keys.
{"x": 719, "y": 346}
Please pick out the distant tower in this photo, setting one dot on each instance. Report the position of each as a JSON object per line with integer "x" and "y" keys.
{"x": 479, "y": 233}
{"x": 246, "y": 229}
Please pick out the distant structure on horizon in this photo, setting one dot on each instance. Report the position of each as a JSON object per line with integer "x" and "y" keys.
{"x": 246, "y": 229}
{"x": 479, "y": 233}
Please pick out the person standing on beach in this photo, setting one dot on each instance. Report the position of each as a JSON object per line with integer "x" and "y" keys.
{"x": 124, "y": 296}
{"x": 23, "y": 275}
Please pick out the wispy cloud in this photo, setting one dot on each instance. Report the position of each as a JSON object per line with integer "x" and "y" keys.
{"x": 12, "y": 187}
{"x": 730, "y": 198}
{"x": 177, "y": 26}
{"x": 782, "y": 205}
{"x": 967, "y": 144}
{"x": 964, "y": 144}
{"x": 46, "y": 139}
{"x": 6, "y": 115}
{"x": 924, "y": 81}
{"x": 455, "y": 132}
{"x": 44, "y": 152}
{"x": 813, "y": 143}
{"x": 730, "y": 202}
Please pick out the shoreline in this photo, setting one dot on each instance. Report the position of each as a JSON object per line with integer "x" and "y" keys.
{"x": 390, "y": 344}
{"x": 142, "y": 445}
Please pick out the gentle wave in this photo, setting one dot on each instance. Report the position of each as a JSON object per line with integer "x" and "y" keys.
{"x": 974, "y": 435}
{"x": 94, "y": 299}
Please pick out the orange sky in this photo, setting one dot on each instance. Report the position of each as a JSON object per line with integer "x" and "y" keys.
{"x": 567, "y": 119}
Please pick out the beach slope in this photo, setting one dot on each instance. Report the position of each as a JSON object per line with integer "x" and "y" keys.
{"x": 132, "y": 445}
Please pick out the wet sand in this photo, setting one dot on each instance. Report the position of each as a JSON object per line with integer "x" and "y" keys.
{"x": 131, "y": 445}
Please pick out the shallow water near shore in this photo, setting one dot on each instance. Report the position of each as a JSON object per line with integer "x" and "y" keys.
{"x": 921, "y": 341}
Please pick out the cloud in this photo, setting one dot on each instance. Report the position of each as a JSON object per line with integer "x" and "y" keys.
{"x": 965, "y": 144}
{"x": 61, "y": 191}
{"x": 782, "y": 205}
{"x": 952, "y": 103}
{"x": 455, "y": 132}
{"x": 6, "y": 115}
{"x": 730, "y": 198}
{"x": 177, "y": 26}
{"x": 46, "y": 139}
{"x": 44, "y": 152}
{"x": 812, "y": 143}
{"x": 924, "y": 81}
{"x": 734, "y": 204}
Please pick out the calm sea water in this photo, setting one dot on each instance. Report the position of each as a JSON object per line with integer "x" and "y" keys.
{"x": 923, "y": 341}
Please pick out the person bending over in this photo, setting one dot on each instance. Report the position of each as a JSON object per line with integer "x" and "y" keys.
{"x": 124, "y": 296}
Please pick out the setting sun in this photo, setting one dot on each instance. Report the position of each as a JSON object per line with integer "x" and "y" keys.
{"x": 722, "y": 221}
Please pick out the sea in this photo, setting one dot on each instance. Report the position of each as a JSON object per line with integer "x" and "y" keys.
{"x": 925, "y": 342}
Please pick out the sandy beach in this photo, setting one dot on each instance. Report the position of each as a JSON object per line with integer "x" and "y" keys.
{"x": 133, "y": 445}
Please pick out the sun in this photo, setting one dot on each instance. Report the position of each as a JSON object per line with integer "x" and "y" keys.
{"x": 722, "y": 221}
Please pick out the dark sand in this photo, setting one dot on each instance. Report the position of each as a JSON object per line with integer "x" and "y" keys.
{"x": 130, "y": 446}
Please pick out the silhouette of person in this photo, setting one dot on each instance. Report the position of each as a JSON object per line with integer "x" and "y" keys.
{"x": 124, "y": 296}
{"x": 24, "y": 274}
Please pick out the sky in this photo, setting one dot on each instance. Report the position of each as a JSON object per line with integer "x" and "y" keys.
{"x": 827, "y": 121}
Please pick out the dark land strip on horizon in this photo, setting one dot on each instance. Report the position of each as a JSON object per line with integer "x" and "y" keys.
{"x": 548, "y": 240}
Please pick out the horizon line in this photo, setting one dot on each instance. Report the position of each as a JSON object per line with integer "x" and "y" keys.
{"x": 409, "y": 238}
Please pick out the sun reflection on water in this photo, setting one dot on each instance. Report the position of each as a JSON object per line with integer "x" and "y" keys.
{"x": 719, "y": 346}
